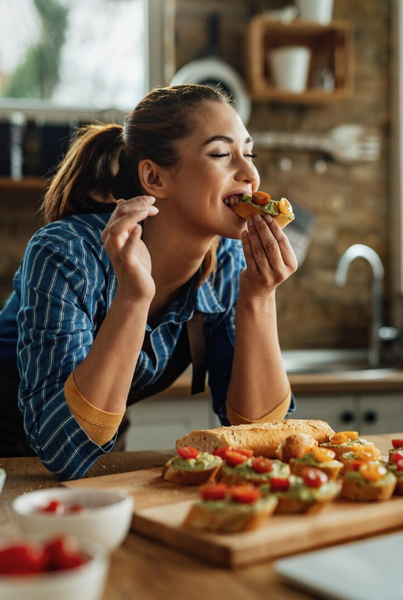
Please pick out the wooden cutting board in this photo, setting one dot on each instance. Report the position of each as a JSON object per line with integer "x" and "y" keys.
{"x": 147, "y": 487}
{"x": 160, "y": 508}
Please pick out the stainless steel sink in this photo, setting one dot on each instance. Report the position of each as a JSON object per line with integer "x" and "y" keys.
{"x": 327, "y": 361}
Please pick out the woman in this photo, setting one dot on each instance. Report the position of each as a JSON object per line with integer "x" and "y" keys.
{"x": 110, "y": 293}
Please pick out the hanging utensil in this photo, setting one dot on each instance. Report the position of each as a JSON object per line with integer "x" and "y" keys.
{"x": 345, "y": 143}
{"x": 212, "y": 71}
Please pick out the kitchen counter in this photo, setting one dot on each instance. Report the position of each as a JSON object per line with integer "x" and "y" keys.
{"x": 363, "y": 380}
{"x": 145, "y": 570}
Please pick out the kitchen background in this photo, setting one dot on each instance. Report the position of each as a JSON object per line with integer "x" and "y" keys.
{"x": 340, "y": 202}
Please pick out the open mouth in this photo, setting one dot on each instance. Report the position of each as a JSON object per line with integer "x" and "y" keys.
{"x": 231, "y": 200}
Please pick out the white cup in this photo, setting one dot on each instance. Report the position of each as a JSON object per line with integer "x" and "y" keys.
{"x": 320, "y": 11}
{"x": 289, "y": 67}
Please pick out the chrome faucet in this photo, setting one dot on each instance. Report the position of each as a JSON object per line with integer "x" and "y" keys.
{"x": 362, "y": 251}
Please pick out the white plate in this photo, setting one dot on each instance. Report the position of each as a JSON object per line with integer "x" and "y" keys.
{"x": 366, "y": 570}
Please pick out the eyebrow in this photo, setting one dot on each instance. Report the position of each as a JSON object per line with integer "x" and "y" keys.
{"x": 225, "y": 138}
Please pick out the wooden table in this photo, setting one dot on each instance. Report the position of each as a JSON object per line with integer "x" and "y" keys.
{"x": 145, "y": 570}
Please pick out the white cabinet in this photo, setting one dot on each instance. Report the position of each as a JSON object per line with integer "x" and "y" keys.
{"x": 341, "y": 412}
{"x": 156, "y": 423}
{"x": 366, "y": 413}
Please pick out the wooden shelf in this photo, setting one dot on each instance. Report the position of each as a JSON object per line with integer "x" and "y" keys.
{"x": 26, "y": 183}
{"x": 331, "y": 46}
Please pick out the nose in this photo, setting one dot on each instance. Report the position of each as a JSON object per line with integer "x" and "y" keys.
{"x": 247, "y": 172}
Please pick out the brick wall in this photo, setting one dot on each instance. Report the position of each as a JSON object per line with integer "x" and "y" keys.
{"x": 351, "y": 202}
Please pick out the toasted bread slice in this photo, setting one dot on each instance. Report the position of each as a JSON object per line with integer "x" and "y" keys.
{"x": 195, "y": 477}
{"x": 245, "y": 210}
{"x": 290, "y": 505}
{"x": 332, "y": 472}
{"x": 235, "y": 517}
{"x": 355, "y": 491}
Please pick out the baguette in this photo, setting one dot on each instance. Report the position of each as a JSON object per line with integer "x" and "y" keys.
{"x": 262, "y": 438}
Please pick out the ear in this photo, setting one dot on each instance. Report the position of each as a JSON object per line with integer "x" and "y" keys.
{"x": 152, "y": 178}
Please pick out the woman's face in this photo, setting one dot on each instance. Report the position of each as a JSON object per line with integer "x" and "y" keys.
{"x": 216, "y": 161}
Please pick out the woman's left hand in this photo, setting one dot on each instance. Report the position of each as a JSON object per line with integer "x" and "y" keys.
{"x": 270, "y": 259}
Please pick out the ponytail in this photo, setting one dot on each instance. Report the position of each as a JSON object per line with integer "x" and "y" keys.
{"x": 88, "y": 173}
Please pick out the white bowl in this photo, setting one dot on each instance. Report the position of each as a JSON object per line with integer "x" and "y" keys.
{"x": 84, "y": 583}
{"x": 2, "y": 478}
{"x": 106, "y": 519}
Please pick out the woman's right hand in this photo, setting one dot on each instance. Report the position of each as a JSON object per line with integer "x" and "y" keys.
{"x": 128, "y": 253}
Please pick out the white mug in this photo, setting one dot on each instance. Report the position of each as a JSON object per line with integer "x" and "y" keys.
{"x": 289, "y": 67}
{"x": 320, "y": 11}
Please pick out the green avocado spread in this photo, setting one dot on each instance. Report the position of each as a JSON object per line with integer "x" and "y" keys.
{"x": 350, "y": 443}
{"x": 358, "y": 478}
{"x": 227, "y": 504}
{"x": 396, "y": 473}
{"x": 298, "y": 489}
{"x": 271, "y": 208}
{"x": 246, "y": 470}
{"x": 201, "y": 463}
{"x": 310, "y": 460}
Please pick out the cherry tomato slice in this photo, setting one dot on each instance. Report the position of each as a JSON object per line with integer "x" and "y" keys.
{"x": 260, "y": 464}
{"x": 234, "y": 458}
{"x": 245, "y": 493}
{"x": 352, "y": 435}
{"x": 245, "y": 451}
{"x": 279, "y": 484}
{"x": 221, "y": 452}
{"x": 188, "y": 452}
{"x": 399, "y": 465}
{"x": 356, "y": 464}
{"x": 314, "y": 478}
{"x": 397, "y": 443}
{"x": 372, "y": 471}
{"x": 54, "y": 506}
{"x": 398, "y": 456}
{"x": 214, "y": 491}
{"x": 261, "y": 198}
{"x": 338, "y": 438}
{"x": 64, "y": 553}
{"x": 323, "y": 454}
{"x": 24, "y": 559}
{"x": 285, "y": 206}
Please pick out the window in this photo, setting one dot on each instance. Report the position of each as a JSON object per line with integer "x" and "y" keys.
{"x": 69, "y": 55}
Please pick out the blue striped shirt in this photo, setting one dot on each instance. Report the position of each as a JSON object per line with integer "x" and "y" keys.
{"x": 62, "y": 292}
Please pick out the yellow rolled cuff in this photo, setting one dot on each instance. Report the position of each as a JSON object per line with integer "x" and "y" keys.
{"x": 278, "y": 413}
{"x": 98, "y": 424}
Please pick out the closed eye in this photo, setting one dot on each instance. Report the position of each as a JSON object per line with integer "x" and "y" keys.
{"x": 219, "y": 155}
{"x": 251, "y": 155}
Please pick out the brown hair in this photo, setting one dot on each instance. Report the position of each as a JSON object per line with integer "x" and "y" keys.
{"x": 102, "y": 160}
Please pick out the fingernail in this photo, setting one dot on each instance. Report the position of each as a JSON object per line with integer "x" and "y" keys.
{"x": 120, "y": 201}
{"x": 151, "y": 199}
{"x": 268, "y": 218}
{"x": 250, "y": 222}
{"x": 154, "y": 209}
{"x": 257, "y": 218}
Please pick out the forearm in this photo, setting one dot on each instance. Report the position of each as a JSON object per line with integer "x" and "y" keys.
{"x": 104, "y": 376}
{"x": 258, "y": 382}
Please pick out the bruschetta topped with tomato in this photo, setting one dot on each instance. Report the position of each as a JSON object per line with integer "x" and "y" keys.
{"x": 343, "y": 441}
{"x": 323, "y": 459}
{"x": 262, "y": 203}
{"x": 191, "y": 467}
{"x": 241, "y": 466}
{"x": 229, "y": 509}
{"x": 371, "y": 481}
{"x": 306, "y": 494}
